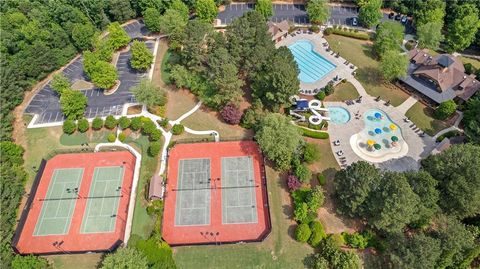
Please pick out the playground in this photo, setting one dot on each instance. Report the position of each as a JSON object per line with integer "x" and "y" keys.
{"x": 79, "y": 203}
{"x": 215, "y": 194}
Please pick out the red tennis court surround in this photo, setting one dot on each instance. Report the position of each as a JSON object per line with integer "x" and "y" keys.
{"x": 212, "y": 228}
{"x": 73, "y": 240}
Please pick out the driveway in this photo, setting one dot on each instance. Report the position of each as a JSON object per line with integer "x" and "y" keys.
{"x": 46, "y": 102}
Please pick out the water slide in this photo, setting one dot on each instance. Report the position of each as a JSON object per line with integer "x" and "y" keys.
{"x": 316, "y": 106}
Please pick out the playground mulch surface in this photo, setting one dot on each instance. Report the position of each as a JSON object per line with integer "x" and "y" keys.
{"x": 79, "y": 203}
{"x": 216, "y": 193}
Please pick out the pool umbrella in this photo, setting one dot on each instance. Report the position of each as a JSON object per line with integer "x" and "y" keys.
{"x": 394, "y": 138}
{"x": 378, "y": 130}
{"x": 378, "y": 115}
{"x": 393, "y": 126}
{"x": 370, "y": 142}
{"x": 377, "y": 146}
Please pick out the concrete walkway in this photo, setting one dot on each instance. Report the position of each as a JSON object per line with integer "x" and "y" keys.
{"x": 407, "y": 104}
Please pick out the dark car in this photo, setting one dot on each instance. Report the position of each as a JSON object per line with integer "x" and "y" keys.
{"x": 354, "y": 22}
{"x": 391, "y": 15}
{"x": 398, "y": 17}
{"x": 404, "y": 19}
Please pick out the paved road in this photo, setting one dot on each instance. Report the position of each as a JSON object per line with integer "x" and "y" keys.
{"x": 46, "y": 102}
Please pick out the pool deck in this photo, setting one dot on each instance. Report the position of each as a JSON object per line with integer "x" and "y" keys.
{"x": 341, "y": 69}
{"x": 418, "y": 147}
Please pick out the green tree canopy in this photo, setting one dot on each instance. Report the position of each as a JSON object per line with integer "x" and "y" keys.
{"x": 445, "y": 109}
{"x": 117, "y": 37}
{"x": 461, "y": 32}
{"x": 142, "y": 57}
{"x": 370, "y": 13}
{"x": 181, "y": 7}
{"x": 83, "y": 35}
{"x": 73, "y": 104}
{"x": 120, "y": 10}
{"x": 104, "y": 75}
{"x": 265, "y": 8}
{"x": 457, "y": 170}
{"x": 60, "y": 83}
{"x": 393, "y": 65}
{"x": 471, "y": 120}
{"x": 29, "y": 262}
{"x": 196, "y": 37}
{"x": 418, "y": 252}
{"x": 427, "y": 11}
{"x": 206, "y": 10}
{"x": 424, "y": 185}
{"x": 318, "y": 11}
{"x": 151, "y": 16}
{"x": 389, "y": 36}
{"x": 127, "y": 258}
{"x": 146, "y": 92}
{"x": 278, "y": 139}
{"x": 173, "y": 23}
{"x": 430, "y": 35}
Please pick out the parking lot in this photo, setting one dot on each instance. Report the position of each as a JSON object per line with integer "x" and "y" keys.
{"x": 46, "y": 103}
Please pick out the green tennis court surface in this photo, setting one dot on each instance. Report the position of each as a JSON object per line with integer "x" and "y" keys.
{"x": 239, "y": 203}
{"x": 193, "y": 193}
{"x": 103, "y": 199}
{"x": 59, "y": 203}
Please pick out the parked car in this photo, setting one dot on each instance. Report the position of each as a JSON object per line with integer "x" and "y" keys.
{"x": 391, "y": 15}
{"x": 355, "y": 22}
{"x": 404, "y": 19}
{"x": 398, "y": 17}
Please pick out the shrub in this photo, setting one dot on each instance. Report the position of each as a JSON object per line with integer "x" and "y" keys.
{"x": 155, "y": 208}
{"x": 111, "y": 137}
{"x": 358, "y": 240}
{"x": 69, "y": 126}
{"x": 97, "y": 124}
{"x": 110, "y": 122}
{"x": 302, "y": 214}
{"x": 469, "y": 68}
{"x": 148, "y": 126}
{"x": 163, "y": 122}
{"x": 320, "y": 95}
{"x": 315, "y": 199}
{"x": 124, "y": 122}
{"x": 328, "y": 89}
{"x": 314, "y": 134}
{"x": 83, "y": 125}
{"x": 122, "y": 136}
{"x": 136, "y": 123}
{"x": 337, "y": 239}
{"x": 302, "y": 232}
{"x": 358, "y": 35}
{"x": 321, "y": 179}
{"x": 303, "y": 173}
{"x": 445, "y": 109}
{"x": 231, "y": 114}
{"x": 328, "y": 31}
{"x": 27, "y": 262}
{"x": 314, "y": 28}
{"x": 157, "y": 252}
{"x": 293, "y": 183}
{"x": 318, "y": 233}
{"x": 154, "y": 148}
{"x": 178, "y": 129}
{"x": 155, "y": 135}
{"x": 311, "y": 153}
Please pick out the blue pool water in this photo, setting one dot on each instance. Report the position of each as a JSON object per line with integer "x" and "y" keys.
{"x": 338, "y": 115}
{"x": 385, "y": 133}
{"x": 312, "y": 66}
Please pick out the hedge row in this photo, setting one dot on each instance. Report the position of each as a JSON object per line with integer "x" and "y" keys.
{"x": 314, "y": 134}
{"x": 348, "y": 33}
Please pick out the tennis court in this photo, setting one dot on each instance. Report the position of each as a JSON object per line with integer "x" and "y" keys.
{"x": 239, "y": 203}
{"x": 102, "y": 200}
{"x": 59, "y": 202}
{"x": 193, "y": 193}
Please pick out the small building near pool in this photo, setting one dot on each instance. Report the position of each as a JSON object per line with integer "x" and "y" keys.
{"x": 279, "y": 30}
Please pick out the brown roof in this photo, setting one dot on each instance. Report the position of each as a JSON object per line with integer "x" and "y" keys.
{"x": 278, "y": 29}
{"x": 155, "y": 191}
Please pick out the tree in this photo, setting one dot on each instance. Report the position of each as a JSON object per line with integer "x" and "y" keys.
{"x": 178, "y": 129}
{"x": 69, "y": 126}
{"x": 127, "y": 258}
{"x": 151, "y": 16}
{"x": 83, "y": 36}
{"x": 124, "y": 122}
{"x": 265, "y": 8}
{"x": 424, "y": 185}
{"x": 155, "y": 135}
{"x": 471, "y": 120}
{"x": 29, "y": 262}
{"x": 73, "y": 104}
{"x": 154, "y": 148}
{"x": 311, "y": 153}
{"x": 97, "y": 123}
{"x": 117, "y": 37}
{"x": 173, "y": 24}
{"x": 104, "y": 75}
{"x": 157, "y": 252}
{"x": 315, "y": 198}
{"x": 231, "y": 114}
{"x": 83, "y": 125}
{"x": 445, "y": 109}
{"x": 194, "y": 51}
{"x": 181, "y": 7}
{"x": 353, "y": 186}
{"x": 427, "y": 11}
{"x": 142, "y": 57}
{"x": 318, "y": 11}
{"x": 60, "y": 83}
{"x": 430, "y": 35}
{"x": 110, "y": 122}
{"x": 419, "y": 251}
{"x": 461, "y": 32}
{"x": 302, "y": 232}
{"x": 293, "y": 183}
{"x": 318, "y": 233}
{"x": 393, "y": 204}
{"x": 159, "y": 5}
{"x": 120, "y": 10}
{"x": 389, "y": 36}
{"x": 457, "y": 170}
{"x": 370, "y": 13}
{"x": 278, "y": 139}
{"x": 206, "y": 10}
{"x": 136, "y": 123}
{"x": 303, "y": 173}
{"x": 393, "y": 65}
{"x": 146, "y": 92}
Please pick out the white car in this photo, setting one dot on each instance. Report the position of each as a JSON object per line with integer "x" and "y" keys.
{"x": 354, "y": 22}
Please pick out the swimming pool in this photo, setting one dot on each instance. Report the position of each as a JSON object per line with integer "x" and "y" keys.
{"x": 312, "y": 66}
{"x": 338, "y": 115}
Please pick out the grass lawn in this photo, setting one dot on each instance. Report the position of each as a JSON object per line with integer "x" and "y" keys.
{"x": 343, "y": 92}
{"x": 75, "y": 261}
{"x": 359, "y": 53}
{"x": 143, "y": 223}
{"x": 474, "y": 62}
{"x": 279, "y": 250}
{"x": 422, "y": 116}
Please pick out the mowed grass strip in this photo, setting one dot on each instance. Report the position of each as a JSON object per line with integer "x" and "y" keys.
{"x": 422, "y": 116}
{"x": 359, "y": 52}
{"x": 343, "y": 91}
